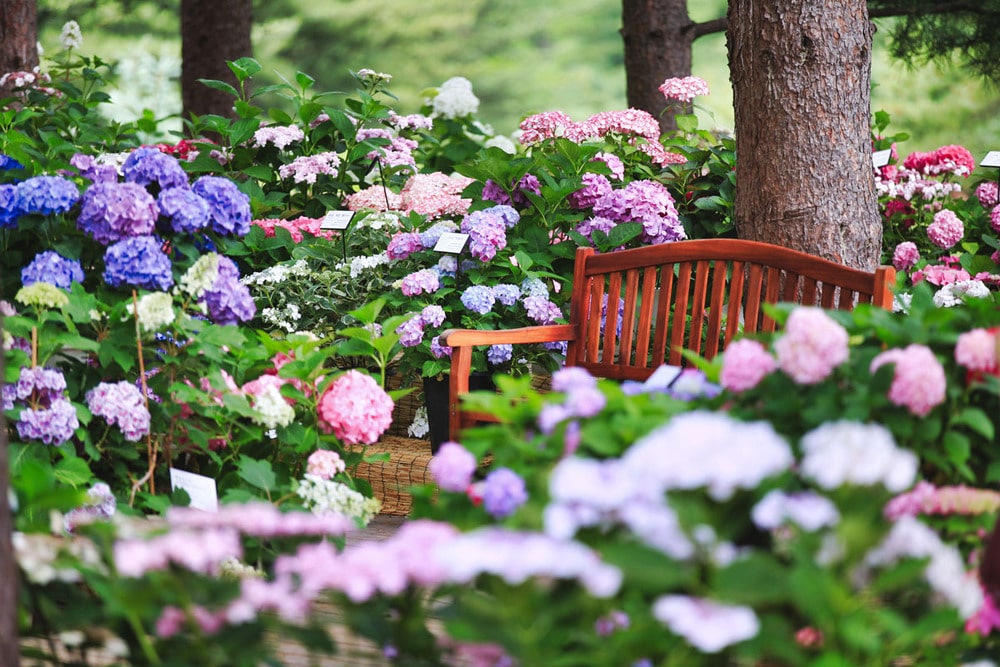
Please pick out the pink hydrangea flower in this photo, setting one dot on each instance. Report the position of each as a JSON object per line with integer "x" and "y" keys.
{"x": 940, "y": 275}
{"x": 744, "y": 364}
{"x": 919, "y": 382}
{"x": 812, "y": 346}
{"x": 355, "y": 409}
{"x": 946, "y": 230}
{"x": 306, "y": 168}
{"x": 683, "y": 89}
{"x": 324, "y": 464}
{"x": 543, "y": 126}
{"x": 987, "y": 194}
{"x": 925, "y": 498}
{"x": 995, "y": 218}
{"x": 452, "y": 467}
{"x": 905, "y": 256}
{"x": 279, "y": 135}
{"x": 977, "y": 350}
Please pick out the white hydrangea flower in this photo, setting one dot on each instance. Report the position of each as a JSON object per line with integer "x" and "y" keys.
{"x": 155, "y": 311}
{"x": 271, "y": 409}
{"x": 201, "y": 275}
{"x": 420, "y": 426}
{"x": 283, "y": 318}
{"x": 71, "y": 37}
{"x": 955, "y": 293}
{"x": 325, "y": 496}
{"x": 846, "y": 452}
{"x": 455, "y": 99}
{"x": 278, "y": 273}
{"x": 501, "y": 142}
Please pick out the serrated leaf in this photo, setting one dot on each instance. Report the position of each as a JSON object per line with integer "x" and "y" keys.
{"x": 257, "y": 473}
{"x": 73, "y": 471}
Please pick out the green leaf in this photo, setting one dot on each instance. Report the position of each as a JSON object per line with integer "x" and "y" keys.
{"x": 257, "y": 473}
{"x": 244, "y": 68}
{"x": 977, "y": 420}
{"x": 304, "y": 80}
{"x": 686, "y": 122}
{"x": 220, "y": 85}
{"x": 623, "y": 233}
{"x": 73, "y": 471}
{"x": 758, "y": 578}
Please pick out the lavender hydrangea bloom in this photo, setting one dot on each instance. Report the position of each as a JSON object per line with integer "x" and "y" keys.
{"x": 140, "y": 262}
{"x": 53, "y": 425}
{"x": 46, "y": 195}
{"x": 541, "y": 310}
{"x": 8, "y": 206}
{"x": 506, "y": 293}
{"x": 229, "y": 300}
{"x": 100, "y": 505}
{"x": 493, "y": 192}
{"x": 121, "y": 404}
{"x": 433, "y": 315}
{"x": 479, "y": 299}
{"x": 92, "y": 170}
{"x": 508, "y": 214}
{"x": 187, "y": 211}
{"x": 594, "y": 187}
{"x": 647, "y": 202}
{"x": 438, "y": 350}
{"x": 487, "y": 234}
{"x": 149, "y": 165}
{"x": 113, "y": 211}
{"x": 503, "y": 492}
{"x": 424, "y": 281}
{"x": 403, "y": 244}
{"x": 499, "y": 354}
{"x": 411, "y": 332}
{"x": 430, "y": 238}
{"x": 230, "y": 207}
{"x": 51, "y": 267}
{"x": 452, "y": 467}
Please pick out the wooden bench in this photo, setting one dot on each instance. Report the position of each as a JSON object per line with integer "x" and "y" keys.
{"x": 694, "y": 295}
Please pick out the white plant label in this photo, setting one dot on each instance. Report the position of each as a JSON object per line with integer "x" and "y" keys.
{"x": 881, "y": 158}
{"x": 201, "y": 489}
{"x": 662, "y": 378}
{"x": 992, "y": 159}
{"x": 337, "y": 219}
{"x": 452, "y": 242}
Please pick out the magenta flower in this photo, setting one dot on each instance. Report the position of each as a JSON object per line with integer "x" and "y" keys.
{"x": 355, "y": 409}
{"x": 919, "y": 382}
{"x": 946, "y": 230}
{"x": 744, "y": 364}
{"x": 905, "y": 256}
{"x": 683, "y": 89}
{"x": 812, "y": 346}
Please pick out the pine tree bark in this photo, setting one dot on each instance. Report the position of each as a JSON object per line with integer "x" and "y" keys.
{"x": 212, "y": 33}
{"x": 658, "y": 41}
{"x": 18, "y": 35}
{"x": 801, "y": 73}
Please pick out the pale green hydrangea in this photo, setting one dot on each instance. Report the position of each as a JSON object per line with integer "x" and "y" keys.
{"x": 278, "y": 273}
{"x": 324, "y": 496}
{"x": 271, "y": 410}
{"x": 155, "y": 310}
{"x": 43, "y": 295}
{"x": 201, "y": 275}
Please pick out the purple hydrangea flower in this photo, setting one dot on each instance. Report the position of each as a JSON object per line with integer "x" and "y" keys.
{"x": 411, "y": 332}
{"x": 230, "y": 207}
{"x": 113, "y": 211}
{"x": 503, "y": 492}
{"x": 92, "y": 170}
{"x": 479, "y": 299}
{"x": 121, "y": 405}
{"x": 647, "y": 202}
{"x": 149, "y": 165}
{"x": 541, "y": 310}
{"x": 51, "y": 267}
{"x": 138, "y": 261}
{"x": 597, "y": 223}
{"x": 53, "y": 425}
{"x": 573, "y": 378}
{"x": 506, "y": 293}
{"x": 403, "y": 244}
{"x": 187, "y": 211}
{"x": 229, "y": 300}
{"x": 7, "y": 162}
{"x": 487, "y": 234}
{"x": 433, "y": 315}
{"x": 499, "y": 354}
{"x": 430, "y": 238}
{"x": 46, "y": 195}
{"x": 493, "y": 192}
{"x": 438, "y": 350}
{"x": 594, "y": 187}
{"x": 452, "y": 467}
{"x": 100, "y": 504}
{"x": 8, "y": 206}
{"x": 508, "y": 214}
{"x": 560, "y": 347}
{"x": 424, "y": 281}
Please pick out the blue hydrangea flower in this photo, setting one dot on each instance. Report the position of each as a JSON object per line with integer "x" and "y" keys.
{"x": 506, "y": 293}
{"x": 430, "y": 238}
{"x": 94, "y": 171}
{"x": 114, "y": 211}
{"x": 478, "y": 299}
{"x": 51, "y": 267}
{"x": 148, "y": 165}
{"x": 503, "y": 492}
{"x": 229, "y": 300}
{"x": 138, "y": 261}
{"x": 46, "y": 195}
{"x": 8, "y": 206}
{"x": 187, "y": 211}
{"x": 499, "y": 354}
{"x": 508, "y": 214}
{"x": 230, "y": 207}
{"x": 7, "y": 162}
{"x": 534, "y": 287}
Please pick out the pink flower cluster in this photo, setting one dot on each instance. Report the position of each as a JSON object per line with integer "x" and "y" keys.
{"x": 136, "y": 557}
{"x": 946, "y": 273}
{"x": 949, "y": 159}
{"x": 324, "y": 464}
{"x": 812, "y": 345}
{"x": 122, "y": 405}
{"x": 905, "y": 256}
{"x": 452, "y": 467}
{"x": 744, "y": 364}
{"x": 919, "y": 382}
{"x": 424, "y": 281}
{"x": 260, "y": 519}
{"x": 399, "y": 151}
{"x": 684, "y": 89}
{"x": 280, "y": 136}
{"x": 977, "y": 350}
{"x": 295, "y": 227}
{"x": 306, "y": 168}
{"x": 925, "y": 498}
{"x": 434, "y": 195}
{"x": 946, "y": 230}
{"x": 355, "y": 409}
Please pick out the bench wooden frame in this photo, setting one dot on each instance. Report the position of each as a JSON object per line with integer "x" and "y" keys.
{"x": 656, "y": 289}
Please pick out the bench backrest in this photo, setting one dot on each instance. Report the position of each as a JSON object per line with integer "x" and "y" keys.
{"x": 697, "y": 295}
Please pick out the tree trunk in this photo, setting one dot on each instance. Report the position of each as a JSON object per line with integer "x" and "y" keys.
{"x": 9, "y": 647}
{"x": 212, "y": 33}
{"x": 18, "y": 35}
{"x": 657, "y": 47}
{"x": 801, "y": 74}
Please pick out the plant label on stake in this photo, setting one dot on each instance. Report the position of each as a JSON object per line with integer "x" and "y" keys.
{"x": 881, "y": 158}
{"x": 338, "y": 220}
{"x": 452, "y": 243}
{"x": 992, "y": 159}
{"x": 201, "y": 489}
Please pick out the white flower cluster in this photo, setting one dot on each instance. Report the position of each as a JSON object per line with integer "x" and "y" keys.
{"x": 359, "y": 265}
{"x": 201, "y": 276}
{"x": 913, "y": 185}
{"x": 278, "y": 273}
{"x": 420, "y": 426}
{"x": 233, "y": 569}
{"x": 946, "y": 572}
{"x": 155, "y": 311}
{"x": 42, "y": 557}
{"x": 283, "y": 318}
{"x": 455, "y": 99}
{"x": 846, "y": 452}
{"x": 325, "y": 496}
{"x": 71, "y": 37}
{"x": 379, "y": 220}
{"x": 954, "y": 294}
{"x": 271, "y": 409}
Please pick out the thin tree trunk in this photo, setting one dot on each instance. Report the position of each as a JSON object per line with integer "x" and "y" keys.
{"x": 657, "y": 47}
{"x": 212, "y": 33}
{"x": 9, "y": 648}
{"x": 801, "y": 73}
{"x": 18, "y": 35}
